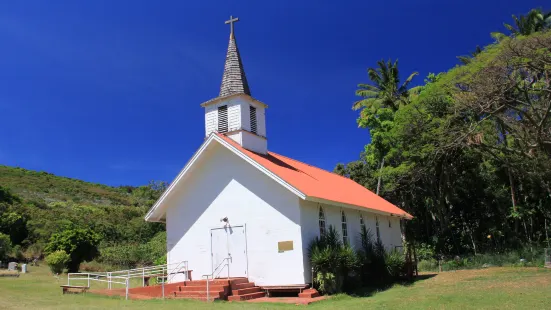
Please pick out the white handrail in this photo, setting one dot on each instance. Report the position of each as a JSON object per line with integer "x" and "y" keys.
{"x": 124, "y": 276}
{"x": 211, "y": 276}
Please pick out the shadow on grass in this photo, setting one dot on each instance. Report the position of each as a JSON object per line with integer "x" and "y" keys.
{"x": 368, "y": 291}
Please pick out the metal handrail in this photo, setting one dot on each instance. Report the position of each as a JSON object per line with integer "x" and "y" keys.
{"x": 126, "y": 275}
{"x": 211, "y": 276}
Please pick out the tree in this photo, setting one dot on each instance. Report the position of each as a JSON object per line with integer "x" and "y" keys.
{"x": 467, "y": 59}
{"x": 80, "y": 244}
{"x": 534, "y": 21}
{"x": 385, "y": 90}
{"x": 5, "y": 246}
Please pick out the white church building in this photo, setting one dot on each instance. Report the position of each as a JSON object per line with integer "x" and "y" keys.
{"x": 238, "y": 204}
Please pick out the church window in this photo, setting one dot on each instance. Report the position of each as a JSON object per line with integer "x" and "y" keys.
{"x": 223, "y": 119}
{"x": 389, "y": 224}
{"x": 344, "y": 228}
{"x": 252, "y": 112}
{"x": 377, "y": 229}
{"x": 321, "y": 221}
{"x": 362, "y": 222}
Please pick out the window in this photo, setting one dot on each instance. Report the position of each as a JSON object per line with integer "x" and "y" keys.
{"x": 389, "y": 224}
{"x": 362, "y": 223}
{"x": 252, "y": 112}
{"x": 377, "y": 229}
{"x": 321, "y": 221}
{"x": 344, "y": 228}
{"x": 223, "y": 118}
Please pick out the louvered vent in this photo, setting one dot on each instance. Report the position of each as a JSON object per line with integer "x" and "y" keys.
{"x": 252, "y": 111}
{"x": 223, "y": 119}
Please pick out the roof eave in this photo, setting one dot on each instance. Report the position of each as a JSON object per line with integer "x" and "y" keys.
{"x": 218, "y": 99}
{"x": 404, "y": 215}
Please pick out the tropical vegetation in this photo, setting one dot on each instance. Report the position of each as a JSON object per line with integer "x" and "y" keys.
{"x": 467, "y": 152}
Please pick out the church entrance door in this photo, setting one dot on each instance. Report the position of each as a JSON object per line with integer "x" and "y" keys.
{"x": 229, "y": 251}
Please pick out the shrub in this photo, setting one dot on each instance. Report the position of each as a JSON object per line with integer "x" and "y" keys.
{"x": 371, "y": 259}
{"x": 95, "y": 266}
{"x": 5, "y": 246}
{"x": 326, "y": 282}
{"x": 395, "y": 264}
{"x": 80, "y": 244}
{"x": 57, "y": 261}
{"x": 331, "y": 260}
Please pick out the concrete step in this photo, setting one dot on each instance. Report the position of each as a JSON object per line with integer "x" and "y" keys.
{"x": 242, "y": 285}
{"x": 204, "y": 282}
{"x": 219, "y": 295}
{"x": 198, "y": 288}
{"x": 309, "y": 293}
{"x": 239, "y": 281}
{"x": 245, "y": 291}
{"x": 246, "y": 296}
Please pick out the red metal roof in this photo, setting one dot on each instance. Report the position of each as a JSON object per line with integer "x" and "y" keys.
{"x": 318, "y": 183}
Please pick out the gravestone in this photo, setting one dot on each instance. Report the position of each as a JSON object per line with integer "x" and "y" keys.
{"x": 24, "y": 268}
{"x": 12, "y": 266}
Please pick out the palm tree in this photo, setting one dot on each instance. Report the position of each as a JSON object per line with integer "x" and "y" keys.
{"x": 468, "y": 58}
{"x": 385, "y": 89}
{"x": 534, "y": 21}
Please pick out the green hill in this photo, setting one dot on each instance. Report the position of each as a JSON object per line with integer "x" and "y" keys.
{"x": 45, "y": 186}
{"x": 35, "y": 205}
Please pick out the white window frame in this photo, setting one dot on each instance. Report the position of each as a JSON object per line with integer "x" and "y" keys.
{"x": 377, "y": 229}
{"x": 321, "y": 221}
{"x": 344, "y": 227}
{"x": 362, "y": 221}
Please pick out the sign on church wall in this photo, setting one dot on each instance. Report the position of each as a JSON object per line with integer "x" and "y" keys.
{"x": 283, "y": 246}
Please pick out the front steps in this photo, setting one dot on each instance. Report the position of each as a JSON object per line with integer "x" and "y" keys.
{"x": 219, "y": 289}
{"x": 309, "y": 293}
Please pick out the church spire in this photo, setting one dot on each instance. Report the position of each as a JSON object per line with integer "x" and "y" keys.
{"x": 234, "y": 80}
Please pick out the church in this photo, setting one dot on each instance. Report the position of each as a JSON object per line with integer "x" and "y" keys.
{"x": 239, "y": 210}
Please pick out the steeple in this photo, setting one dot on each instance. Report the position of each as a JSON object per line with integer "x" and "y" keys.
{"x": 234, "y": 113}
{"x": 234, "y": 80}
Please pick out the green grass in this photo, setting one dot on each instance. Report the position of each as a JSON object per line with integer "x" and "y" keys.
{"x": 492, "y": 288}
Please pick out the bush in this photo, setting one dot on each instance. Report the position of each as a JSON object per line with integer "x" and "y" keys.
{"x": 95, "y": 266}
{"x": 395, "y": 264}
{"x": 332, "y": 261}
{"x": 5, "y": 246}
{"x": 80, "y": 244}
{"x": 132, "y": 255}
{"x": 57, "y": 261}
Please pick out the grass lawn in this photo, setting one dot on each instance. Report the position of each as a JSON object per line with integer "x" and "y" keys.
{"x": 493, "y": 288}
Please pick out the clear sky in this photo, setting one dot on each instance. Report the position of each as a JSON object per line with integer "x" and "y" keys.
{"x": 109, "y": 91}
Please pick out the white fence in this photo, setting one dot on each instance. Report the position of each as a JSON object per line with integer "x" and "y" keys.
{"x": 164, "y": 273}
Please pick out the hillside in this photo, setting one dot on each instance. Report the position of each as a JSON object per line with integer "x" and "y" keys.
{"x": 31, "y": 185}
{"x": 36, "y": 205}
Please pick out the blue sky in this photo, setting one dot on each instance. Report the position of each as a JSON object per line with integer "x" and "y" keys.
{"x": 109, "y": 91}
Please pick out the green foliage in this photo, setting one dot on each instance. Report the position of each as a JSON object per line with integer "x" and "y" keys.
{"x": 327, "y": 282}
{"x": 80, "y": 244}
{"x": 395, "y": 264}
{"x": 522, "y": 257}
{"x": 57, "y": 261}
{"x": 467, "y": 153}
{"x": 5, "y": 246}
{"x": 38, "y": 206}
{"x": 331, "y": 260}
{"x": 132, "y": 255}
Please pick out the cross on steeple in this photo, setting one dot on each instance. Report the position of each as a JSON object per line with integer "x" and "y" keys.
{"x": 231, "y": 21}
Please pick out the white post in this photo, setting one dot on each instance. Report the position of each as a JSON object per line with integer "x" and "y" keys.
{"x": 109, "y": 280}
{"x": 208, "y": 291}
{"x": 88, "y": 280}
{"x": 68, "y": 279}
{"x": 143, "y": 276}
{"x": 126, "y": 288}
{"x": 163, "y": 284}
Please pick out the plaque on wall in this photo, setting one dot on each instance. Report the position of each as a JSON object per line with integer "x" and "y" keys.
{"x": 283, "y": 246}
